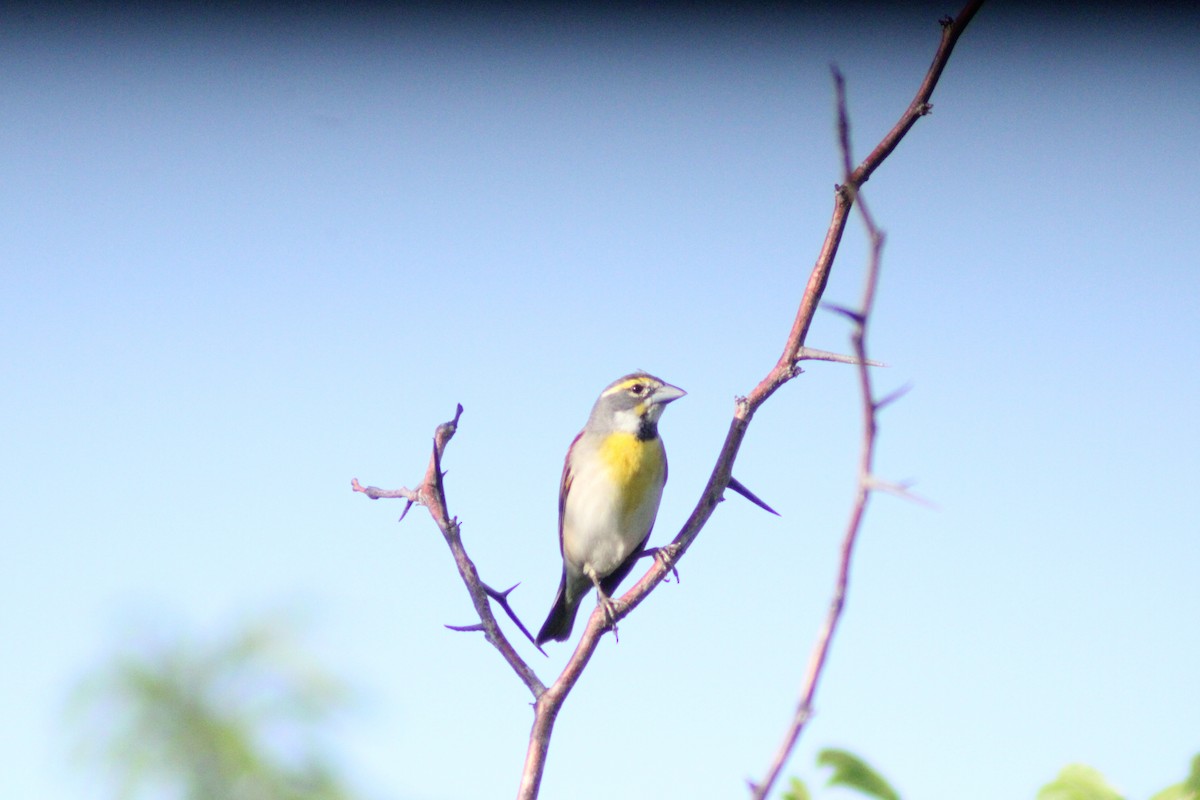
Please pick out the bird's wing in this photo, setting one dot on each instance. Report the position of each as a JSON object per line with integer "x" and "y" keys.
{"x": 563, "y": 488}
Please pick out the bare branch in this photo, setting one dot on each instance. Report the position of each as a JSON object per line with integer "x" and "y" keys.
{"x": 867, "y": 482}
{"x": 431, "y": 494}
{"x": 374, "y": 492}
{"x": 860, "y": 318}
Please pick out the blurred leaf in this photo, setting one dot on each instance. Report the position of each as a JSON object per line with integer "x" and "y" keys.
{"x": 239, "y": 718}
{"x": 1188, "y": 790}
{"x": 851, "y": 771}
{"x": 796, "y": 790}
{"x": 1176, "y": 792}
{"x": 1078, "y": 782}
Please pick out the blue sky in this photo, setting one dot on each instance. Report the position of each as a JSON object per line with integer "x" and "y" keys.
{"x": 248, "y": 257}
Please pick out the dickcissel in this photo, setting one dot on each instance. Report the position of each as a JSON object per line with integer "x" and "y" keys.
{"x": 612, "y": 482}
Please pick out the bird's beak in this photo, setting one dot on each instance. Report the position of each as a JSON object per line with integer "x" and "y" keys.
{"x": 667, "y": 393}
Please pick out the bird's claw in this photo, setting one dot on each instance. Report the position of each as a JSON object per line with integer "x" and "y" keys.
{"x": 611, "y": 609}
{"x": 666, "y": 556}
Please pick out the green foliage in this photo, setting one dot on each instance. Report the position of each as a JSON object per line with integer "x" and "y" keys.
{"x": 796, "y": 791}
{"x": 852, "y": 772}
{"x": 236, "y": 719}
{"x": 1188, "y": 790}
{"x": 1078, "y": 782}
{"x": 1176, "y": 792}
{"x": 1075, "y": 782}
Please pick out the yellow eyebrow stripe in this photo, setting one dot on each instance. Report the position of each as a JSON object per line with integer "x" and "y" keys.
{"x": 623, "y": 385}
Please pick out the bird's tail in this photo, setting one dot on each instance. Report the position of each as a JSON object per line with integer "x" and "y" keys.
{"x": 562, "y": 616}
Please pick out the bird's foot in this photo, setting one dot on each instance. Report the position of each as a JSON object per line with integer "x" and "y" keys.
{"x": 666, "y": 556}
{"x": 612, "y": 609}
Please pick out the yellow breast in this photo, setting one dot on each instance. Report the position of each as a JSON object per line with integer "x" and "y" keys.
{"x": 634, "y": 465}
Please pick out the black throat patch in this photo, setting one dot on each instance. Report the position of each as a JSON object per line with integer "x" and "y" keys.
{"x": 647, "y": 430}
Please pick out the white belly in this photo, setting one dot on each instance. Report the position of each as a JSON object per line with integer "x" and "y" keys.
{"x": 596, "y": 537}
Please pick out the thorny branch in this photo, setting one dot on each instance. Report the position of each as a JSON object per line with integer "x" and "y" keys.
{"x": 867, "y": 483}
{"x": 430, "y": 493}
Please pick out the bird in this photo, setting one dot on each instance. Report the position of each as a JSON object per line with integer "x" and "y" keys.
{"x": 612, "y": 482}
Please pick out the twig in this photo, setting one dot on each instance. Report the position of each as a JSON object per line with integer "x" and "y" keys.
{"x": 867, "y": 482}
{"x": 431, "y": 494}
{"x": 860, "y": 318}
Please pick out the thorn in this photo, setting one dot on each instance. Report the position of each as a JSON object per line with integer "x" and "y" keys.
{"x": 466, "y": 628}
{"x": 888, "y": 399}
{"x": 854, "y": 316}
{"x": 812, "y": 354}
{"x": 404, "y": 513}
{"x": 737, "y": 486}
{"x": 875, "y": 484}
{"x": 502, "y": 599}
{"x": 496, "y": 594}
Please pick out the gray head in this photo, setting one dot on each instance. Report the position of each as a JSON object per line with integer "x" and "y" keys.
{"x": 633, "y": 404}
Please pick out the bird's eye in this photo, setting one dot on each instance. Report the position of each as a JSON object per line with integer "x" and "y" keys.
{"x": 637, "y": 389}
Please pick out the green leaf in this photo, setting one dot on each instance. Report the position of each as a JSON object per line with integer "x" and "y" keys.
{"x": 796, "y": 791}
{"x": 1078, "y": 782}
{"x": 1193, "y": 781}
{"x": 1176, "y": 792}
{"x": 243, "y": 716}
{"x": 1188, "y": 790}
{"x": 852, "y": 772}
